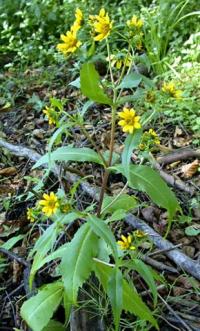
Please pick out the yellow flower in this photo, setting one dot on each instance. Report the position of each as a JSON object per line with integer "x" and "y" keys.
{"x": 50, "y": 204}
{"x": 79, "y": 16}
{"x": 126, "y": 243}
{"x": 102, "y": 25}
{"x": 78, "y": 21}
{"x": 30, "y": 215}
{"x": 139, "y": 234}
{"x": 50, "y": 113}
{"x": 171, "y": 90}
{"x": 129, "y": 120}
{"x": 71, "y": 43}
{"x": 135, "y": 22}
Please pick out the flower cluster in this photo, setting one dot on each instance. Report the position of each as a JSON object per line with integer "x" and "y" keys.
{"x": 171, "y": 90}
{"x": 119, "y": 61}
{"x": 135, "y": 23}
{"x": 101, "y": 24}
{"x": 70, "y": 42}
{"x": 126, "y": 243}
{"x": 30, "y": 215}
{"x": 51, "y": 114}
{"x": 129, "y": 121}
{"x": 149, "y": 139}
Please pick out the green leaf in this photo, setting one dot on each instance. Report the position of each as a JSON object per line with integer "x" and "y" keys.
{"x": 54, "y": 326}
{"x": 46, "y": 242}
{"x": 38, "y": 310}
{"x": 146, "y": 273}
{"x": 12, "y": 241}
{"x": 130, "y": 81}
{"x": 70, "y": 154}
{"x": 77, "y": 262}
{"x": 90, "y": 84}
{"x": 139, "y": 93}
{"x": 147, "y": 180}
{"x": 117, "y": 216}
{"x": 122, "y": 202}
{"x": 132, "y": 141}
{"x": 131, "y": 300}
{"x": 115, "y": 294}
{"x": 103, "y": 231}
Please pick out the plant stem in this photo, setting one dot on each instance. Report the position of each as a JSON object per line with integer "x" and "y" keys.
{"x": 112, "y": 139}
{"x": 86, "y": 134}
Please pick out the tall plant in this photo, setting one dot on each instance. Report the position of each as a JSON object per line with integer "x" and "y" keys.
{"x": 94, "y": 248}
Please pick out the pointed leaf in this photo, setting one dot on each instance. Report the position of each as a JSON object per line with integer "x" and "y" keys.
{"x": 122, "y": 202}
{"x": 38, "y": 310}
{"x": 70, "y": 154}
{"x": 131, "y": 80}
{"x": 146, "y": 273}
{"x": 103, "y": 231}
{"x": 45, "y": 244}
{"x": 131, "y": 300}
{"x": 147, "y": 180}
{"x": 90, "y": 84}
{"x": 132, "y": 141}
{"x": 77, "y": 262}
{"x": 115, "y": 294}
{"x": 54, "y": 326}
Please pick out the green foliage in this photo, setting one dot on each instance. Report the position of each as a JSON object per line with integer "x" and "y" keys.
{"x": 147, "y": 180}
{"x": 131, "y": 301}
{"x": 77, "y": 261}
{"x": 123, "y": 202}
{"x": 38, "y": 310}
{"x": 70, "y": 154}
{"x": 90, "y": 84}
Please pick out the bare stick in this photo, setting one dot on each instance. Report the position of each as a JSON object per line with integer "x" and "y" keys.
{"x": 179, "y": 258}
{"x": 14, "y": 256}
{"x": 182, "y": 322}
{"x": 182, "y": 154}
{"x": 172, "y": 181}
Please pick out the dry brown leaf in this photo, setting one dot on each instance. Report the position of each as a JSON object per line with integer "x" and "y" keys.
{"x": 8, "y": 171}
{"x": 190, "y": 169}
{"x": 182, "y": 141}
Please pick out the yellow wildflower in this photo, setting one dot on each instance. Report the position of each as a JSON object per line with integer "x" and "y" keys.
{"x": 78, "y": 21}
{"x": 171, "y": 90}
{"x": 79, "y": 16}
{"x": 102, "y": 25}
{"x": 71, "y": 43}
{"x": 50, "y": 204}
{"x": 129, "y": 120}
{"x": 126, "y": 242}
{"x": 139, "y": 234}
{"x": 30, "y": 215}
{"x": 50, "y": 113}
{"x": 135, "y": 22}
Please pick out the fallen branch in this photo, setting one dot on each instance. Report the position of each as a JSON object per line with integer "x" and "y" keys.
{"x": 172, "y": 181}
{"x": 180, "y": 259}
{"x": 179, "y": 155}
